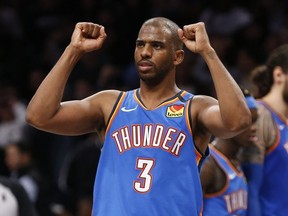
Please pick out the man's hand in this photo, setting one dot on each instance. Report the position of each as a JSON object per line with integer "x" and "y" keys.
{"x": 88, "y": 37}
{"x": 195, "y": 38}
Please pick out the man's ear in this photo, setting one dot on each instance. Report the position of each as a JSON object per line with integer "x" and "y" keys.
{"x": 179, "y": 57}
{"x": 278, "y": 75}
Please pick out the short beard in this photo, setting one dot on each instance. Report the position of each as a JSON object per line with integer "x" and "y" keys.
{"x": 156, "y": 78}
{"x": 152, "y": 80}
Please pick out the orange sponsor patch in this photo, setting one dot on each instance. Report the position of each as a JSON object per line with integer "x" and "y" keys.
{"x": 175, "y": 111}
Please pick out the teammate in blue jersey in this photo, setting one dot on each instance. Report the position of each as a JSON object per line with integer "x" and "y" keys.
{"x": 153, "y": 137}
{"x": 266, "y": 167}
{"x": 223, "y": 182}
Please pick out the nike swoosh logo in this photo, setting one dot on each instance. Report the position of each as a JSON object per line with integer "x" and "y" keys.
{"x": 128, "y": 110}
{"x": 232, "y": 175}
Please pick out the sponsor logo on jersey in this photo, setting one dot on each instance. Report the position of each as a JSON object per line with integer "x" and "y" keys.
{"x": 124, "y": 109}
{"x": 175, "y": 111}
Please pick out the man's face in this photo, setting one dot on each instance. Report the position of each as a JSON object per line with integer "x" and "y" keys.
{"x": 13, "y": 157}
{"x": 154, "y": 55}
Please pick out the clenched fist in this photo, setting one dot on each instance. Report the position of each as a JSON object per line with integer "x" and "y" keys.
{"x": 88, "y": 36}
{"x": 195, "y": 37}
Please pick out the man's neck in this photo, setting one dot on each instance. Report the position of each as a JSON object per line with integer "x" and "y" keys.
{"x": 277, "y": 103}
{"x": 153, "y": 97}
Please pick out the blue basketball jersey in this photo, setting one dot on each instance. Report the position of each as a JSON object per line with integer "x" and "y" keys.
{"x": 274, "y": 190}
{"x": 148, "y": 164}
{"x": 232, "y": 200}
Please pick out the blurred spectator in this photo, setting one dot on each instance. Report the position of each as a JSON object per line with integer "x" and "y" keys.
{"x": 12, "y": 120}
{"x": 12, "y": 116}
{"x": 246, "y": 60}
{"x": 14, "y": 200}
{"x": 79, "y": 166}
{"x": 20, "y": 163}
{"x": 224, "y": 17}
{"x": 82, "y": 88}
{"x": 11, "y": 40}
{"x": 109, "y": 77}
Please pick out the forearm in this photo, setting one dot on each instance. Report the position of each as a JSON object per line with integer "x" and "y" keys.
{"x": 48, "y": 96}
{"x": 234, "y": 110}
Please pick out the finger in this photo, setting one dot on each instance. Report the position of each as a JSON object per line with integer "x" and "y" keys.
{"x": 80, "y": 26}
{"x": 189, "y": 32}
{"x": 181, "y": 35}
{"x": 101, "y": 36}
{"x": 83, "y": 28}
{"x": 96, "y": 31}
{"x": 89, "y": 28}
{"x": 102, "y": 32}
{"x": 93, "y": 30}
{"x": 86, "y": 28}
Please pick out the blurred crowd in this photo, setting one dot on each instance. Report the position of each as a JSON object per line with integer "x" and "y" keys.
{"x": 33, "y": 35}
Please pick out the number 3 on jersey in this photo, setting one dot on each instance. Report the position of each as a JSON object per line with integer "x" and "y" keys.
{"x": 144, "y": 182}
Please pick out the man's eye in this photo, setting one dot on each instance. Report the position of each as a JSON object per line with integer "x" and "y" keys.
{"x": 157, "y": 46}
{"x": 139, "y": 44}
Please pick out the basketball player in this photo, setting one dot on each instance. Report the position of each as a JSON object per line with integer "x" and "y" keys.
{"x": 223, "y": 182}
{"x": 266, "y": 167}
{"x": 149, "y": 160}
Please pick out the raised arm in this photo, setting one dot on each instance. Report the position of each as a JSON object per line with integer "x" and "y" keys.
{"x": 230, "y": 115}
{"x": 46, "y": 111}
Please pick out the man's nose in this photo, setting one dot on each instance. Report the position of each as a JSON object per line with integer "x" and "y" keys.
{"x": 146, "y": 51}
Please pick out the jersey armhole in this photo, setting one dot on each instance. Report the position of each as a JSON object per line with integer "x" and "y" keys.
{"x": 117, "y": 102}
{"x": 201, "y": 156}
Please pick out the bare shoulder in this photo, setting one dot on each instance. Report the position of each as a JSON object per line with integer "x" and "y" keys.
{"x": 266, "y": 127}
{"x": 105, "y": 96}
{"x": 201, "y": 105}
{"x": 266, "y": 133}
{"x": 105, "y": 100}
{"x": 204, "y": 101}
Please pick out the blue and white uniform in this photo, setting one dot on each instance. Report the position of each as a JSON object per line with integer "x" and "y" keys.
{"x": 232, "y": 199}
{"x": 274, "y": 189}
{"x": 149, "y": 164}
